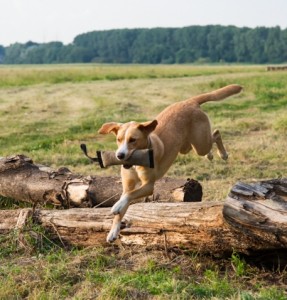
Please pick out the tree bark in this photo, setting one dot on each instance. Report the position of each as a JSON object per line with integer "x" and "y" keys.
{"x": 253, "y": 218}
{"x": 22, "y": 180}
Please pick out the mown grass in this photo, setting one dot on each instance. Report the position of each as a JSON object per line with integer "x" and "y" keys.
{"x": 47, "y": 111}
{"x": 26, "y": 75}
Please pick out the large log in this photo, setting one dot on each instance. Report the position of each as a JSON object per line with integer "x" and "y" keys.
{"x": 259, "y": 211}
{"x": 193, "y": 226}
{"x": 22, "y": 180}
{"x": 254, "y": 218}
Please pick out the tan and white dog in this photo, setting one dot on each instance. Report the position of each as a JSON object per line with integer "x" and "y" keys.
{"x": 179, "y": 128}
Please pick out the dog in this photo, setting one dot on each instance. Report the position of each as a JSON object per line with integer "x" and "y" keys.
{"x": 179, "y": 128}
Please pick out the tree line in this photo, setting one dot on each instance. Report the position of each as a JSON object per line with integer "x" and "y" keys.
{"x": 199, "y": 44}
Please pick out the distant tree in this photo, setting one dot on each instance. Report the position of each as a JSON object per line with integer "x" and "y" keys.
{"x": 221, "y": 43}
{"x": 184, "y": 56}
{"x": 284, "y": 45}
{"x": 212, "y": 43}
{"x": 241, "y": 50}
{"x": 65, "y": 54}
{"x": 274, "y": 46}
{"x": 79, "y": 54}
{"x": 255, "y": 41}
{"x": 34, "y": 55}
{"x": 13, "y": 54}
{"x": 52, "y": 52}
{"x": 30, "y": 44}
{"x": 2, "y": 54}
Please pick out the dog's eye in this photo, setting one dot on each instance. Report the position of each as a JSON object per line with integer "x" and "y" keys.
{"x": 132, "y": 140}
{"x": 119, "y": 140}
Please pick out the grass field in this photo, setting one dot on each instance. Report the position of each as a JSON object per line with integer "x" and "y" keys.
{"x": 47, "y": 111}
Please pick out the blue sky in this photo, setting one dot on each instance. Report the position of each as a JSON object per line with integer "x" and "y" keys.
{"x": 61, "y": 20}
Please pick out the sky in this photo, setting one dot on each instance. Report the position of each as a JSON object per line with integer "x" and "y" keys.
{"x": 43, "y": 21}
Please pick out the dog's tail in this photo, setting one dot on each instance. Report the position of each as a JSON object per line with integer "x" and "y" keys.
{"x": 217, "y": 95}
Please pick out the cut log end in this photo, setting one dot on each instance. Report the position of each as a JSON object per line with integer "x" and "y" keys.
{"x": 259, "y": 210}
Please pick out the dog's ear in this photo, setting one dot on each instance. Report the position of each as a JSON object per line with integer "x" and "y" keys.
{"x": 109, "y": 127}
{"x": 148, "y": 127}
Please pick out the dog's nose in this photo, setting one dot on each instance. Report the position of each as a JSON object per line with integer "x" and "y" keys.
{"x": 120, "y": 155}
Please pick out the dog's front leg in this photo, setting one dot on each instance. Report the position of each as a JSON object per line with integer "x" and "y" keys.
{"x": 116, "y": 227}
{"x": 119, "y": 209}
{"x": 122, "y": 205}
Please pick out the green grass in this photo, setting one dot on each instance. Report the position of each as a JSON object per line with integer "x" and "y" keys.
{"x": 46, "y": 112}
{"x": 109, "y": 274}
{"x": 21, "y": 76}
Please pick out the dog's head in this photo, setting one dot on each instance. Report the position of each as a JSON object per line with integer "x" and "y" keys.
{"x": 130, "y": 136}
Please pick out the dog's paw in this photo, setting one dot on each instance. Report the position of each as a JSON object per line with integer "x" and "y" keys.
{"x": 120, "y": 206}
{"x": 209, "y": 156}
{"x": 114, "y": 233}
{"x": 224, "y": 155}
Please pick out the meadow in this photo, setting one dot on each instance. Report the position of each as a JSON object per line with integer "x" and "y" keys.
{"x": 47, "y": 111}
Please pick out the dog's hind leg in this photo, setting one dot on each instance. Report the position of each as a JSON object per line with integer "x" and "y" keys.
{"x": 218, "y": 141}
{"x": 209, "y": 156}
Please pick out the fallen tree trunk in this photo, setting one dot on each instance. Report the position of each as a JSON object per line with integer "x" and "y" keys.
{"x": 22, "y": 180}
{"x": 254, "y": 218}
{"x": 193, "y": 226}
